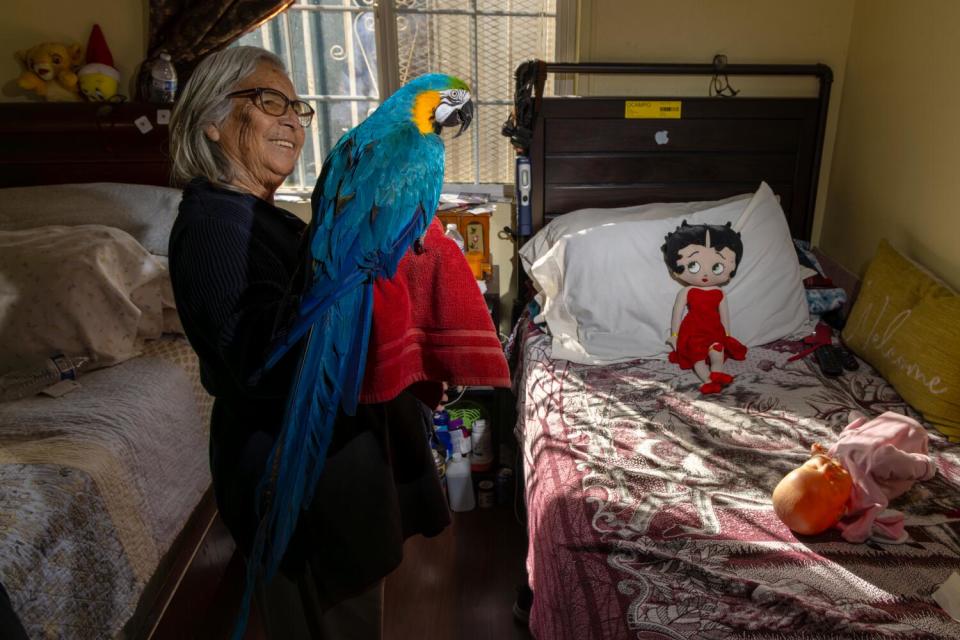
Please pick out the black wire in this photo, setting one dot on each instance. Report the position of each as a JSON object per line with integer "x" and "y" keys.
{"x": 720, "y": 83}
{"x": 720, "y": 86}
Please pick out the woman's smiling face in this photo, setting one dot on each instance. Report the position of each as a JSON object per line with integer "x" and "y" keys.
{"x": 263, "y": 149}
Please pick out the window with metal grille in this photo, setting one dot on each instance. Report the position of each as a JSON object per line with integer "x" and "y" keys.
{"x": 343, "y": 55}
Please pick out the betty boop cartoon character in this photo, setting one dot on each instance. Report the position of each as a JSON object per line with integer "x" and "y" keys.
{"x": 703, "y": 257}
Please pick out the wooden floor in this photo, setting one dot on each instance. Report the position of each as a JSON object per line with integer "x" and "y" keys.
{"x": 459, "y": 585}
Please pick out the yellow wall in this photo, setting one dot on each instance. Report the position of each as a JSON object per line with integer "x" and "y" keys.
{"x": 747, "y": 31}
{"x": 895, "y": 169}
{"x": 29, "y": 22}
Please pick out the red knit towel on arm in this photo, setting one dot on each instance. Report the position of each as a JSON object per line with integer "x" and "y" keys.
{"x": 431, "y": 325}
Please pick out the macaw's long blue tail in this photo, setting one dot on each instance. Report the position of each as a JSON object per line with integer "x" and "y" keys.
{"x": 331, "y": 372}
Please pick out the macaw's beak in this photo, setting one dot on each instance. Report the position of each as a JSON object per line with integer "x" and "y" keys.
{"x": 465, "y": 114}
{"x": 461, "y": 115}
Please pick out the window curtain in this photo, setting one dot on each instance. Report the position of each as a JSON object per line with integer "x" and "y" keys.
{"x": 189, "y": 30}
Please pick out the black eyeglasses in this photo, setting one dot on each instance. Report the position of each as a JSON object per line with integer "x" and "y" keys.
{"x": 274, "y": 103}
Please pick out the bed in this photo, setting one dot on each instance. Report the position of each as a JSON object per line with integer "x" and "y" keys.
{"x": 106, "y": 493}
{"x": 648, "y": 503}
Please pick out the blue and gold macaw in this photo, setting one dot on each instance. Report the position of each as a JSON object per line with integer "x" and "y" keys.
{"x": 376, "y": 195}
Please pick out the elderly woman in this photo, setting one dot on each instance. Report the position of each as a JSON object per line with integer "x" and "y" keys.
{"x": 237, "y": 263}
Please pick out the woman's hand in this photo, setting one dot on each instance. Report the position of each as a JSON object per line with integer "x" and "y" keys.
{"x": 672, "y": 341}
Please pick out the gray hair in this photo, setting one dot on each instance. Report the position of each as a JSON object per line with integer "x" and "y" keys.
{"x": 202, "y": 102}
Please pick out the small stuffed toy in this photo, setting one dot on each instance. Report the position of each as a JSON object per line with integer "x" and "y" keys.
{"x": 851, "y": 484}
{"x": 48, "y": 71}
{"x": 98, "y": 78}
{"x": 703, "y": 257}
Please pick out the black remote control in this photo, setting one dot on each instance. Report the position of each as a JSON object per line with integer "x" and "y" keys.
{"x": 828, "y": 357}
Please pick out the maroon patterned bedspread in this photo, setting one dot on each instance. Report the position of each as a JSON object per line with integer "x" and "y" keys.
{"x": 649, "y": 506}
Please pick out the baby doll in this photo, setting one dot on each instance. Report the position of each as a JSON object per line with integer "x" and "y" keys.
{"x": 871, "y": 463}
{"x": 813, "y": 497}
{"x": 703, "y": 257}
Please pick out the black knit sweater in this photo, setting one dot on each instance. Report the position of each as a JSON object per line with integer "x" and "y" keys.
{"x": 234, "y": 262}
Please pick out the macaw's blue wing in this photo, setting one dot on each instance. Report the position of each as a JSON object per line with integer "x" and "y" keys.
{"x": 377, "y": 193}
{"x": 373, "y": 198}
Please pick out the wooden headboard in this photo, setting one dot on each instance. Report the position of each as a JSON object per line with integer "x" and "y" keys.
{"x": 54, "y": 143}
{"x": 586, "y": 153}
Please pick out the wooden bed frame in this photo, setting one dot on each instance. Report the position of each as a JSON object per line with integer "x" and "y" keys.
{"x": 64, "y": 143}
{"x": 55, "y": 143}
{"x": 587, "y": 152}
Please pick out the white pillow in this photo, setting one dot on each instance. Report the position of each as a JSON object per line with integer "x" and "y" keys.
{"x": 607, "y": 295}
{"x": 145, "y": 212}
{"x": 84, "y": 290}
{"x": 584, "y": 219}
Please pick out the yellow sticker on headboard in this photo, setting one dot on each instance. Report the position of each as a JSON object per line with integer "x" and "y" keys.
{"x": 652, "y": 109}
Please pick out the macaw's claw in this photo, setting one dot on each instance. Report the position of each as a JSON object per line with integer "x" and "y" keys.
{"x": 418, "y": 246}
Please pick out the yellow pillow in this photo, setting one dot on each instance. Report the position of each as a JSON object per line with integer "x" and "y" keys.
{"x": 906, "y": 323}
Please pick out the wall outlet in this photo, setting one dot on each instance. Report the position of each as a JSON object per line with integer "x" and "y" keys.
{"x": 143, "y": 123}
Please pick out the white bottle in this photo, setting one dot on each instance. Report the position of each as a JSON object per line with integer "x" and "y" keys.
{"x": 459, "y": 479}
{"x": 481, "y": 457}
{"x": 163, "y": 80}
{"x": 27, "y": 382}
{"x": 454, "y": 235}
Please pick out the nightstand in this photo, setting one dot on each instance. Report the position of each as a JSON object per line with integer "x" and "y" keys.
{"x": 475, "y": 229}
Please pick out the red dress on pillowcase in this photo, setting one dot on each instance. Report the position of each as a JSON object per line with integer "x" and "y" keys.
{"x": 701, "y": 328}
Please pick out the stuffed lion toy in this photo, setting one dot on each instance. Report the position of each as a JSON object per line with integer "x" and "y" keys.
{"x": 48, "y": 70}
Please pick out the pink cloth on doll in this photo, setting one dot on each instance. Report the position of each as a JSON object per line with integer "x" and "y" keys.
{"x": 884, "y": 456}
